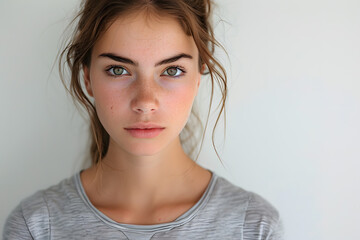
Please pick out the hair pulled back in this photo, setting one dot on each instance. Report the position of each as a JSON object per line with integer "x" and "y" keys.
{"x": 93, "y": 20}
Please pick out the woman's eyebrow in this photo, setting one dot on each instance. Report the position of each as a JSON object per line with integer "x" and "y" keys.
{"x": 174, "y": 59}
{"x": 118, "y": 58}
{"x": 129, "y": 61}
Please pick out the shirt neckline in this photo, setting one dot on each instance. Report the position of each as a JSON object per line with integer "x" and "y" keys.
{"x": 184, "y": 218}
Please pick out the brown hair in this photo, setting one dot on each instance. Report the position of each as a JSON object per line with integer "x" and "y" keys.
{"x": 92, "y": 21}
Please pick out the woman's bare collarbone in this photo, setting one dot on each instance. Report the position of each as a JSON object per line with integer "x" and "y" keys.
{"x": 162, "y": 213}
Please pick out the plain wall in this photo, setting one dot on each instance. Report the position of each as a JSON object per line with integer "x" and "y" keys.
{"x": 293, "y": 113}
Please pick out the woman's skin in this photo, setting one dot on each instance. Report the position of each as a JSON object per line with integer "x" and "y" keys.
{"x": 144, "y": 180}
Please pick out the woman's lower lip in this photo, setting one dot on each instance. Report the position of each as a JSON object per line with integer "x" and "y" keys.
{"x": 145, "y": 133}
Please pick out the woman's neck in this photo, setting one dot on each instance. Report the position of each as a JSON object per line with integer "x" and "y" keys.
{"x": 142, "y": 182}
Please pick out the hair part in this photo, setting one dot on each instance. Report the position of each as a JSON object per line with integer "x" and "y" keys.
{"x": 95, "y": 17}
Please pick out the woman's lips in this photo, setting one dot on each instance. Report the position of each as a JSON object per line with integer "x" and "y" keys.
{"x": 144, "y": 133}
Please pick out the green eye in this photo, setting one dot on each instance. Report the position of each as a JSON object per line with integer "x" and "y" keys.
{"x": 117, "y": 71}
{"x": 173, "y": 72}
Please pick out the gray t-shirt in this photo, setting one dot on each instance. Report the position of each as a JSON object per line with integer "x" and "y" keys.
{"x": 63, "y": 211}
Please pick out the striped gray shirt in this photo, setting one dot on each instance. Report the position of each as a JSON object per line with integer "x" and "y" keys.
{"x": 225, "y": 211}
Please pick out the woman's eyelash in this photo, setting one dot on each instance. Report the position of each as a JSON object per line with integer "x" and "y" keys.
{"x": 113, "y": 74}
{"x": 178, "y": 68}
{"x": 112, "y": 66}
{"x": 181, "y": 68}
{"x": 110, "y": 70}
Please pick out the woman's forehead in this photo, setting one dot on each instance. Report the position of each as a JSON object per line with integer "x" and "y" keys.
{"x": 141, "y": 35}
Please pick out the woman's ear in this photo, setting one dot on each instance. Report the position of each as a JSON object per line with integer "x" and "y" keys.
{"x": 87, "y": 81}
{"x": 199, "y": 80}
{"x": 203, "y": 68}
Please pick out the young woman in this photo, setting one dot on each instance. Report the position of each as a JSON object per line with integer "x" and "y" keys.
{"x": 136, "y": 67}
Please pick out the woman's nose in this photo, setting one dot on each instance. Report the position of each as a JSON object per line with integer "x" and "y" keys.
{"x": 145, "y": 100}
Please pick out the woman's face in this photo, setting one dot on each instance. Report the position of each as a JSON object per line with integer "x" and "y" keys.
{"x": 144, "y": 70}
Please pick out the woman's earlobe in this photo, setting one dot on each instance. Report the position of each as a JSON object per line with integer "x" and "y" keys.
{"x": 87, "y": 81}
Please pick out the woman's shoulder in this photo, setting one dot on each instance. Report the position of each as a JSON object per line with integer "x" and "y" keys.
{"x": 237, "y": 196}
{"x": 256, "y": 215}
{"x": 32, "y": 215}
{"x": 59, "y": 194}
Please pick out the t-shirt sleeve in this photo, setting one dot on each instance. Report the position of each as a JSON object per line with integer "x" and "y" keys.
{"x": 29, "y": 220}
{"x": 15, "y": 226}
{"x": 262, "y": 220}
{"x": 277, "y": 232}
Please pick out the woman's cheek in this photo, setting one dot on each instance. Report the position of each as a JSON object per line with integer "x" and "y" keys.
{"x": 182, "y": 102}
{"x": 106, "y": 105}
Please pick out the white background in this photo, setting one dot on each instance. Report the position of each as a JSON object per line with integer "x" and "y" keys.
{"x": 293, "y": 116}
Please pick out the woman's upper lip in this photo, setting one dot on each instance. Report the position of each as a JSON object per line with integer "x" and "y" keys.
{"x": 143, "y": 126}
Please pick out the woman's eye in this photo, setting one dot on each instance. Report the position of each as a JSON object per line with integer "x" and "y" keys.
{"x": 173, "y": 72}
{"x": 117, "y": 71}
